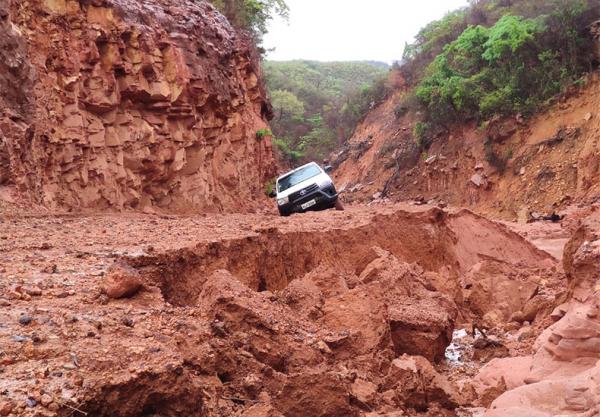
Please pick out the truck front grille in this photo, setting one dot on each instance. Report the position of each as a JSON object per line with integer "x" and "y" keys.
{"x": 303, "y": 193}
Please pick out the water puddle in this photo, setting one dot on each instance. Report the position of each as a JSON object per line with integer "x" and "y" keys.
{"x": 454, "y": 350}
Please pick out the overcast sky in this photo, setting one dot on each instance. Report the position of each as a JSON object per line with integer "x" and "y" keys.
{"x": 349, "y": 30}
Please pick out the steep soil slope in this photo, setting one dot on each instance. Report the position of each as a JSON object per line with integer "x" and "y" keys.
{"x": 129, "y": 104}
{"x": 538, "y": 165}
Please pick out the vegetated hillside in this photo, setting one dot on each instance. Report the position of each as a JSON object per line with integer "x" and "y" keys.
{"x": 498, "y": 112}
{"x": 122, "y": 104}
{"x": 318, "y": 104}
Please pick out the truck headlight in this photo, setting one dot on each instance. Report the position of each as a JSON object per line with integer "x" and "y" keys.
{"x": 283, "y": 201}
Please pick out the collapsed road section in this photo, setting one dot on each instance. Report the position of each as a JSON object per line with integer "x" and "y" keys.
{"x": 327, "y": 314}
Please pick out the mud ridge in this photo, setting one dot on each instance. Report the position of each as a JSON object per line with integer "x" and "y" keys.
{"x": 269, "y": 260}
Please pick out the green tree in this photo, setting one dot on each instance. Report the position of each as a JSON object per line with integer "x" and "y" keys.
{"x": 511, "y": 67}
{"x": 253, "y": 15}
{"x": 286, "y": 106}
{"x": 335, "y": 94}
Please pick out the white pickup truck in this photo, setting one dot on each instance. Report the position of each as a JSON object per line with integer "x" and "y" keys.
{"x": 305, "y": 188}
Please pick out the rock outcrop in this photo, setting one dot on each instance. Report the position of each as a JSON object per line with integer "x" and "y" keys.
{"x": 566, "y": 364}
{"x": 130, "y": 104}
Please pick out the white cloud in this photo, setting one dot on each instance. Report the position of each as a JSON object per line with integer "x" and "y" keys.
{"x": 342, "y": 30}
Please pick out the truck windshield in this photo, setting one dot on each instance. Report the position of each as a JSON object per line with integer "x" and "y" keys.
{"x": 297, "y": 177}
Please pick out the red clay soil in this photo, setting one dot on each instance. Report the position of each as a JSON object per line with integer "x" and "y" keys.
{"x": 324, "y": 314}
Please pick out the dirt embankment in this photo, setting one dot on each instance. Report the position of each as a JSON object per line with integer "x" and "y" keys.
{"x": 509, "y": 169}
{"x": 561, "y": 377}
{"x": 119, "y": 104}
{"x": 324, "y": 314}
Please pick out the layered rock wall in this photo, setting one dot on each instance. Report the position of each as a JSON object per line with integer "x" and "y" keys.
{"x": 130, "y": 104}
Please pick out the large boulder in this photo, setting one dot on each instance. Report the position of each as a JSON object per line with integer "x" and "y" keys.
{"x": 316, "y": 394}
{"x": 418, "y": 385}
{"x": 362, "y": 314}
{"x": 498, "y": 376}
{"x": 421, "y": 327}
{"x": 421, "y": 319}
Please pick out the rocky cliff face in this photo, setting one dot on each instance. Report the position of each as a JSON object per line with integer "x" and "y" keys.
{"x": 130, "y": 104}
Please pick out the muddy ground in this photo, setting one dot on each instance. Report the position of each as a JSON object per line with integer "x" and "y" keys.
{"x": 366, "y": 312}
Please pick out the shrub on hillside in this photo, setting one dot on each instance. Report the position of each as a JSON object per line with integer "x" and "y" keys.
{"x": 511, "y": 67}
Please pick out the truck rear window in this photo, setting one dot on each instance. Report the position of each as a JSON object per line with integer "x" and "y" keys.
{"x": 297, "y": 177}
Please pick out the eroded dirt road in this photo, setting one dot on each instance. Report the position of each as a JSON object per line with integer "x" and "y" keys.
{"x": 324, "y": 314}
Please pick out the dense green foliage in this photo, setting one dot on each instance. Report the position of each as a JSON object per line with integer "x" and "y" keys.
{"x": 318, "y": 104}
{"x": 498, "y": 58}
{"x": 252, "y": 15}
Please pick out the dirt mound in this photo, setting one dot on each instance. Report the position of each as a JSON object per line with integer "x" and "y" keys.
{"x": 324, "y": 314}
{"x": 141, "y": 105}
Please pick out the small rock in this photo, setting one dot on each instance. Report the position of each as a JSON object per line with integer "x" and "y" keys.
{"x": 322, "y": 346}
{"x": 4, "y": 302}
{"x": 121, "y": 281}
{"x": 364, "y": 392}
{"x": 218, "y": 328}
{"x": 63, "y": 294}
{"x": 477, "y": 180}
{"x": 377, "y": 196}
{"x": 6, "y": 407}
{"x": 30, "y": 402}
{"x": 6, "y": 360}
{"x": 25, "y": 320}
{"x": 522, "y": 171}
{"x": 127, "y": 321}
{"x": 588, "y": 117}
{"x": 525, "y": 334}
{"x": 33, "y": 291}
{"x": 46, "y": 400}
{"x": 20, "y": 339}
{"x": 14, "y": 295}
{"x": 50, "y": 269}
{"x": 512, "y": 326}
{"x": 486, "y": 342}
{"x": 517, "y": 316}
{"x": 431, "y": 159}
{"x": 479, "y": 167}
{"x": 559, "y": 312}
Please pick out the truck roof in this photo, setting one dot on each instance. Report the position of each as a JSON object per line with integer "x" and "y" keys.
{"x": 296, "y": 169}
